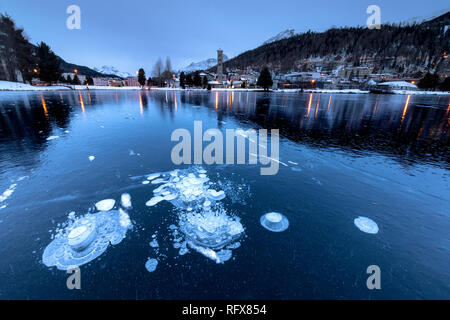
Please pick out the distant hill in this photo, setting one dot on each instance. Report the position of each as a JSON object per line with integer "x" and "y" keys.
{"x": 202, "y": 65}
{"x": 113, "y": 71}
{"x": 398, "y": 48}
{"x": 69, "y": 67}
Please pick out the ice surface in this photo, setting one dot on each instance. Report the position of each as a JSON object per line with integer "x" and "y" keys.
{"x": 105, "y": 205}
{"x": 52, "y": 138}
{"x": 366, "y": 225}
{"x": 151, "y": 264}
{"x": 274, "y": 221}
{"x": 86, "y": 238}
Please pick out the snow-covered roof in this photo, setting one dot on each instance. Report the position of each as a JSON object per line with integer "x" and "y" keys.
{"x": 398, "y": 84}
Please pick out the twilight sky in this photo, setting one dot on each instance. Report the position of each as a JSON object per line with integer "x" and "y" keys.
{"x": 134, "y": 33}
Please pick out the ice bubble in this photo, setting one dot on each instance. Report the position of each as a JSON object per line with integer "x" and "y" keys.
{"x": 170, "y": 197}
{"x": 203, "y": 222}
{"x": 81, "y": 237}
{"x": 85, "y": 239}
{"x": 209, "y": 228}
{"x": 151, "y": 264}
{"x": 145, "y": 182}
{"x": 366, "y": 225}
{"x": 153, "y": 176}
{"x": 153, "y": 201}
{"x": 177, "y": 245}
{"x": 125, "y": 200}
{"x": 158, "y": 181}
{"x": 52, "y": 138}
{"x": 91, "y": 158}
{"x": 216, "y": 195}
{"x": 124, "y": 219}
{"x": 8, "y": 192}
{"x": 274, "y": 221}
{"x": 105, "y": 205}
{"x": 218, "y": 256}
{"x": 154, "y": 244}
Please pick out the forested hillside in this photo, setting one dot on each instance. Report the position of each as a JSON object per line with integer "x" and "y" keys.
{"x": 399, "y": 48}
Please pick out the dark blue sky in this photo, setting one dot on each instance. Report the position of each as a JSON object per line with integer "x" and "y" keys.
{"x": 129, "y": 34}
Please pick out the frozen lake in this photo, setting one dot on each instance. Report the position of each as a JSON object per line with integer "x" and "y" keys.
{"x": 384, "y": 157}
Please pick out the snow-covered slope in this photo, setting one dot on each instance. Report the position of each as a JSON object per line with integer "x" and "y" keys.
{"x": 18, "y": 86}
{"x": 282, "y": 35}
{"x": 113, "y": 70}
{"x": 202, "y": 65}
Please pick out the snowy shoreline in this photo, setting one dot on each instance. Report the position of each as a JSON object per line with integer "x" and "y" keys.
{"x": 17, "y": 86}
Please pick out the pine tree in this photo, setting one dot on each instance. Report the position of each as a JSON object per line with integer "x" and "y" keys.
{"x": 69, "y": 79}
{"x": 429, "y": 81}
{"x": 189, "y": 81}
{"x": 76, "y": 80}
{"x": 182, "y": 80}
{"x": 141, "y": 77}
{"x": 197, "y": 80}
{"x": 24, "y": 56}
{"x": 445, "y": 85}
{"x": 205, "y": 82}
{"x": 265, "y": 79}
{"x": 48, "y": 64}
{"x": 89, "y": 81}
